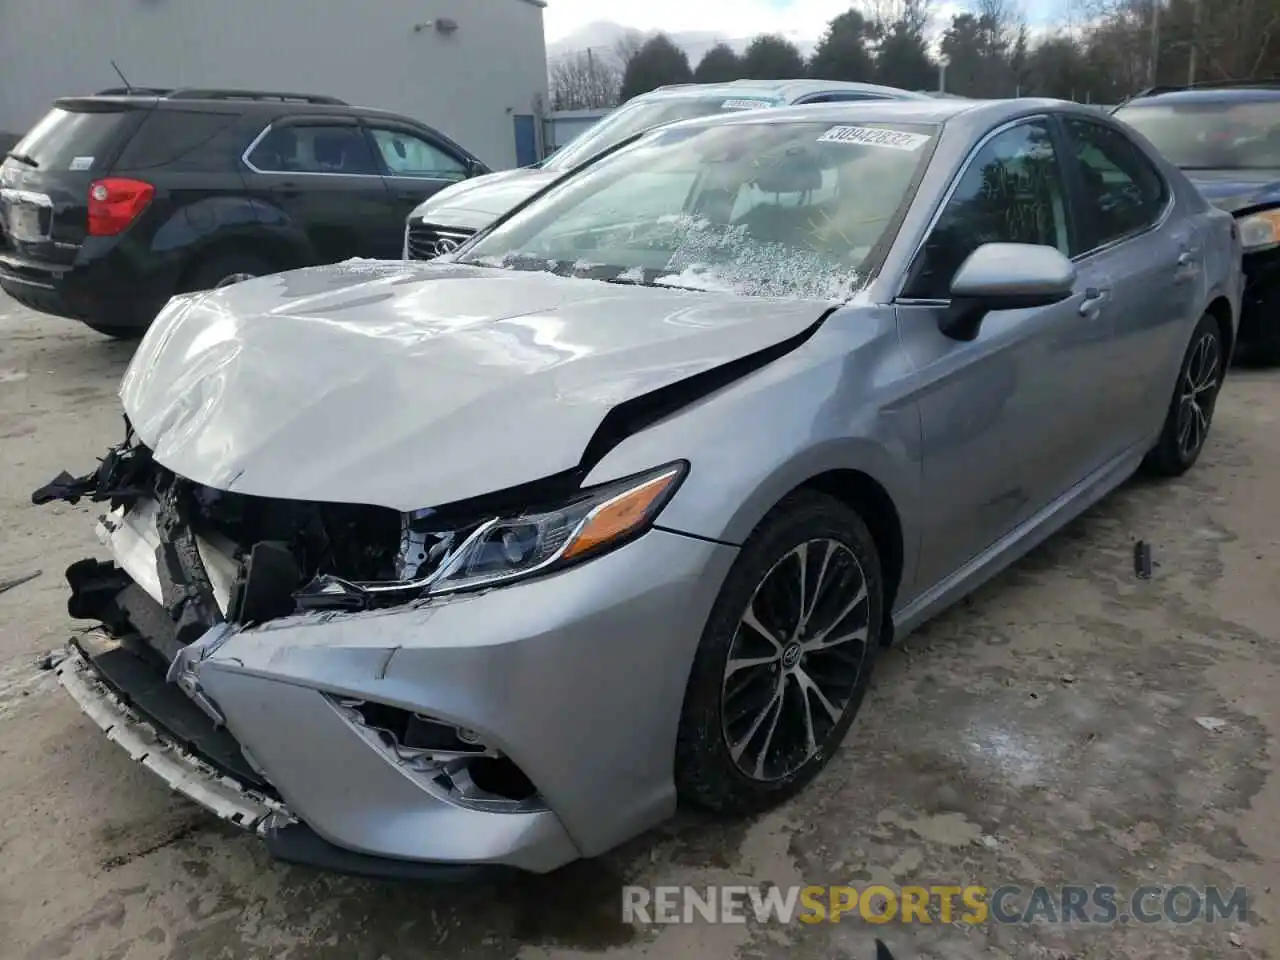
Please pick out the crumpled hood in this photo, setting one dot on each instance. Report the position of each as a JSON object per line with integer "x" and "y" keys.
{"x": 1233, "y": 190}
{"x": 474, "y": 204}
{"x": 411, "y": 385}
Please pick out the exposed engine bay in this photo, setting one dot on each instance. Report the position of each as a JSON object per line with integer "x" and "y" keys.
{"x": 287, "y": 556}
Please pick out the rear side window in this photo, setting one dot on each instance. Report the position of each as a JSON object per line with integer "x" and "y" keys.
{"x": 184, "y": 140}
{"x": 1124, "y": 194}
{"x": 315, "y": 149}
{"x": 75, "y": 139}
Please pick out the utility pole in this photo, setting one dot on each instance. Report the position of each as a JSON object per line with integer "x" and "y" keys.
{"x": 1154, "y": 66}
{"x": 1196, "y": 9}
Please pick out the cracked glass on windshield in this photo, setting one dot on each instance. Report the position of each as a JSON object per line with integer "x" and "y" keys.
{"x": 772, "y": 209}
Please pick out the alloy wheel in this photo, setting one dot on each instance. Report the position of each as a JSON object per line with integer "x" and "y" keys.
{"x": 795, "y": 660}
{"x": 1198, "y": 392}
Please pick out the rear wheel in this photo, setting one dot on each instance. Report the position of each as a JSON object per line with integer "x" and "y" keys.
{"x": 784, "y": 660}
{"x": 224, "y": 270}
{"x": 1186, "y": 425}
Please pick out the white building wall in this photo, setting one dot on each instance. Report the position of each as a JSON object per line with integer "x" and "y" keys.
{"x": 469, "y": 84}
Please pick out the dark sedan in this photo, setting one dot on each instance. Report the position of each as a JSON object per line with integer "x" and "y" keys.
{"x": 1226, "y": 138}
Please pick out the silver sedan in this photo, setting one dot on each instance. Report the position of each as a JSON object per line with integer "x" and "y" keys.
{"x": 490, "y": 561}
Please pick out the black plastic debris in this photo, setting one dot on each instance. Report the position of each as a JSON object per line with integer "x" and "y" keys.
{"x": 882, "y": 952}
{"x": 7, "y": 585}
{"x": 1142, "y": 560}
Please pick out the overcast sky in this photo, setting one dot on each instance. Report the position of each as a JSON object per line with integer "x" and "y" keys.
{"x": 800, "y": 19}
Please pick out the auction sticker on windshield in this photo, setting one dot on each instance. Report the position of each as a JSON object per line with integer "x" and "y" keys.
{"x": 874, "y": 137}
{"x": 744, "y": 104}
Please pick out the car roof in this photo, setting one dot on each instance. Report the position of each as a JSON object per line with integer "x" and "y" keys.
{"x": 980, "y": 115}
{"x": 248, "y": 103}
{"x": 785, "y": 90}
{"x": 1207, "y": 96}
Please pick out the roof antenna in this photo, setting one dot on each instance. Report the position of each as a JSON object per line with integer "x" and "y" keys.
{"x": 128, "y": 87}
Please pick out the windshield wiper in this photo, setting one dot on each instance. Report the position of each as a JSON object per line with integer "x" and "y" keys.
{"x": 629, "y": 282}
{"x": 23, "y": 159}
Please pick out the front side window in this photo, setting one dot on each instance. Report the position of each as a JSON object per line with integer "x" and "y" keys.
{"x": 314, "y": 149}
{"x": 633, "y": 118}
{"x": 1211, "y": 136}
{"x": 1123, "y": 193}
{"x": 406, "y": 155}
{"x": 1011, "y": 192}
{"x": 796, "y": 209}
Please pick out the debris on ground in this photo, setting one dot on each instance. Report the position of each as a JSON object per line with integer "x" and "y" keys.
{"x": 1142, "y": 560}
{"x": 1068, "y": 678}
{"x": 50, "y": 660}
{"x": 1212, "y": 724}
{"x": 7, "y": 585}
{"x": 1235, "y": 939}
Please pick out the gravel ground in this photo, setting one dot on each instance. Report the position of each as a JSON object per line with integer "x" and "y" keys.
{"x": 1044, "y": 731}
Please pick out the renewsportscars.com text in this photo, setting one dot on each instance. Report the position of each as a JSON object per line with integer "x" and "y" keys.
{"x": 1008, "y": 904}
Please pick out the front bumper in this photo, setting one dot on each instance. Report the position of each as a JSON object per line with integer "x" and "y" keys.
{"x": 577, "y": 678}
{"x": 1260, "y": 304}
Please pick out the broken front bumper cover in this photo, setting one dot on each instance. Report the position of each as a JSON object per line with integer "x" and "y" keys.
{"x": 181, "y": 770}
{"x": 286, "y": 838}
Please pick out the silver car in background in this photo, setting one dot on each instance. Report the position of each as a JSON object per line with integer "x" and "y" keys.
{"x": 442, "y": 222}
{"x": 423, "y": 567}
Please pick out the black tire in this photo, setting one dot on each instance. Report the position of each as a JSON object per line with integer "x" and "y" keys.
{"x": 115, "y": 332}
{"x": 1263, "y": 353}
{"x": 224, "y": 269}
{"x": 707, "y": 772}
{"x": 1190, "y": 414}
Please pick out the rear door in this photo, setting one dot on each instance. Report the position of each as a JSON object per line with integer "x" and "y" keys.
{"x": 45, "y": 179}
{"x": 321, "y": 171}
{"x": 1153, "y": 262}
{"x": 415, "y": 164}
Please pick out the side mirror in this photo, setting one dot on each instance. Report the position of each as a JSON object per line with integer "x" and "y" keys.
{"x": 1005, "y": 276}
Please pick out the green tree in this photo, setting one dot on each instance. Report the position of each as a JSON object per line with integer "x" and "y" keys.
{"x": 842, "y": 54}
{"x": 902, "y": 58}
{"x": 657, "y": 63}
{"x": 771, "y": 57}
{"x": 719, "y": 65}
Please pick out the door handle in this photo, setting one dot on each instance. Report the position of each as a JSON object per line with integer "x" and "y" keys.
{"x": 1093, "y": 297}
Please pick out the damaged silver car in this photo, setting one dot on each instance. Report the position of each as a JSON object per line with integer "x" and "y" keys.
{"x": 422, "y": 568}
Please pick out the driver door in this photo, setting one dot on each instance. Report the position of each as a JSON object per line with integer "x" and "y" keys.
{"x": 1010, "y": 419}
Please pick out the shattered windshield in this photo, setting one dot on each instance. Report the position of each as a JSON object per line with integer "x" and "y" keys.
{"x": 765, "y": 209}
{"x": 637, "y": 117}
{"x": 1211, "y": 136}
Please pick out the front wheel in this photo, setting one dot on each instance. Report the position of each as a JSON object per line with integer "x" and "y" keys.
{"x": 784, "y": 660}
{"x": 1186, "y": 425}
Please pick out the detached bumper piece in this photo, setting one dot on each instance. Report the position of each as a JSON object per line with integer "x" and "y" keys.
{"x": 156, "y": 748}
{"x": 298, "y": 844}
{"x": 158, "y": 727}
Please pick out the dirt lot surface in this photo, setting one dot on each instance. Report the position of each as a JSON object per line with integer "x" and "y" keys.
{"x": 1069, "y": 724}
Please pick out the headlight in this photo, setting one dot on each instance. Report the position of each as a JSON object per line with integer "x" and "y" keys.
{"x": 1260, "y": 231}
{"x": 508, "y": 548}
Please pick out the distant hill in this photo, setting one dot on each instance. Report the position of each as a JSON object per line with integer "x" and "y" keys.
{"x": 603, "y": 37}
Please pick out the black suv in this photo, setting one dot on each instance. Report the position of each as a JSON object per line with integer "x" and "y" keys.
{"x": 115, "y": 202}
